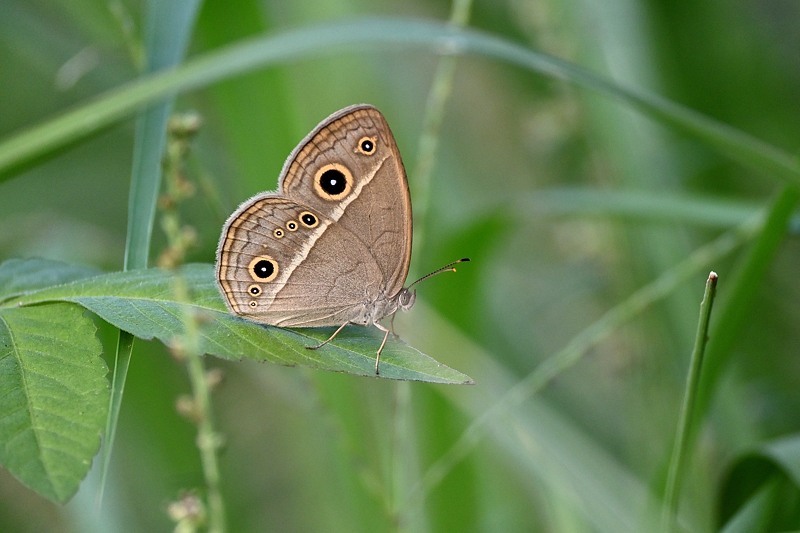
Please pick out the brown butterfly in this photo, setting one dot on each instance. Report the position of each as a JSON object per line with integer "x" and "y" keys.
{"x": 332, "y": 245}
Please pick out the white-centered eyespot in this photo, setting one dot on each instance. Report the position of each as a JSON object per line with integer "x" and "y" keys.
{"x": 263, "y": 269}
{"x": 333, "y": 181}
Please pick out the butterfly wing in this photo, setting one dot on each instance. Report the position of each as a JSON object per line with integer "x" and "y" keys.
{"x": 374, "y": 203}
{"x": 333, "y": 245}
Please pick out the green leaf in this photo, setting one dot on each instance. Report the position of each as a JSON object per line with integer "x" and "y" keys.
{"x": 53, "y": 396}
{"x": 18, "y": 276}
{"x": 763, "y": 485}
{"x": 143, "y": 303}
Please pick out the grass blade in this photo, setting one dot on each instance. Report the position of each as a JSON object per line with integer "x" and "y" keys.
{"x": 327, "y": 38}
{"x": 169, "y": 25}
{"x": 677, "y": 465}
{"x": 743, "y": 288}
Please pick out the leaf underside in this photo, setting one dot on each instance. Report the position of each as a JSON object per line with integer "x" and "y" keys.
{"x": 143, "y": 302}
{"x": 54, "y": 393}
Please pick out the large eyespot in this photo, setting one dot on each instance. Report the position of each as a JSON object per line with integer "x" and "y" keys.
{"x": 309, "y": 219}
{"x": 366, "y": 145}
{"x": 292, "y": 225}
{"x": 333, "y": 182}
{"x": 278, "y": 233}
{"x": 263, "y": 269}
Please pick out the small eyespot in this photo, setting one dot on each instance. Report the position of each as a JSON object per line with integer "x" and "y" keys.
{"x": 366, "y": 145}
{"x": 309, "y": 219}
{"x": 255, "y": 290}
{"x": 263, "y": 269}
{"x": 253, "y": 303}
{"x": 333, "y": 181}
{"x": 278, "y": 233}
{"x": 292, "y": 225}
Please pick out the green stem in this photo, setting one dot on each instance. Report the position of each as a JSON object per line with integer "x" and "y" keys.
{"x": 174, "y": 20}
{"x": 403, "y": 459}
{"x": 441, "y": 89}
{"x": 580, "y": 345}
{"x": 677, "y": 466}
{"x": 741, "y": 290}
{"x": 207, "y": 438}
{"x": 207, "y": 442}
{"x": 182, "y": 129}
{"x": 122, "y": 360}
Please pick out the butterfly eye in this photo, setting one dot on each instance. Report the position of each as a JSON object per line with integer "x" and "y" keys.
{"x": 366, "y": 145}
{"x": 263, "y": 268}
{"x": 308, "y": 219}
{"x": 278, "y": 233}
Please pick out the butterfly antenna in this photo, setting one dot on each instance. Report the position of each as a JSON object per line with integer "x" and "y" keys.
{"x": 449, "y": 267}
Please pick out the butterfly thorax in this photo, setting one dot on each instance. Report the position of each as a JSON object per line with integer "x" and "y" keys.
{"x": 376, "y": 310}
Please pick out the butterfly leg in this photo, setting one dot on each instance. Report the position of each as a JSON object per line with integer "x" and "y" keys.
{"x": 380, "y": 348}
{"x": 377, "y": 355}
{"x": 391, "y": 326}
{"x": 329, "y": 339}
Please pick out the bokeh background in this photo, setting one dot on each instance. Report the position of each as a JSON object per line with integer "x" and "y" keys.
{"x": 568, "y": 202}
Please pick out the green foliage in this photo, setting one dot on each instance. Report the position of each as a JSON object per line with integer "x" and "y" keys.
{"x": 56, "y": 397}
{"x": 146, "y": 304}
{"x": 55, "y": 392}
{"x": 761, "y": 492}
{"x": 595, "y": 161}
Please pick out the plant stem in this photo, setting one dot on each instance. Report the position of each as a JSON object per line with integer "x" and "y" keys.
{"x": 677, "y": 464}
{"x": 579, "y": 346}
{"x": 207, "y": 437}
{"x": 182, "y": 129}
{"x": 122, "y": 360}
{"x": 187, "y": 349}
{"x": 441, "y": 88}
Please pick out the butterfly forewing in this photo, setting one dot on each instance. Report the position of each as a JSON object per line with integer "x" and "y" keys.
{"x": 333, "y": 240}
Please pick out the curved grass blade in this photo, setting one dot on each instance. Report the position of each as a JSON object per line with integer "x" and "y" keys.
{"x": 326, "y": 38}
{"x": 168, "y": 29}
{"x": 762, "y": 483}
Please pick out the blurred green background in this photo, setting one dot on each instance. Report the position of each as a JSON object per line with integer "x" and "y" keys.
{"x": 568, "y": 203}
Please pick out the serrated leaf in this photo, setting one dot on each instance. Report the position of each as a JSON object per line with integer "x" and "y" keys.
{"x": 143, "y": 302}
{"x": 53, "y": 396}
